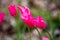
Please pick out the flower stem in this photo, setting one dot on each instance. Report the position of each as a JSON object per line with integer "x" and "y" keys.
{"x": 29, "y": 34}
{"x": 50, "y": 37}
{"x": 39, "y": 33}
{"x": 17, "y": 30}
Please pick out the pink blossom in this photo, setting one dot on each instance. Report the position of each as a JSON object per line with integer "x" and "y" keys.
{"x": 1, "y": 17}
{"x": 12, "y": 10}
{"x": 39, "y": 22}
{"x": 44, "y": 38}
{"x": 26, "y": 16}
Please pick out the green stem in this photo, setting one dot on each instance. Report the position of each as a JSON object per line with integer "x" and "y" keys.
{"x": 29, "y": 34}
{"x": 24, "y": 29}
{"x": 50, "y": 37}
{"x": 17, "y": 30}
{"x": 39, "y": 33}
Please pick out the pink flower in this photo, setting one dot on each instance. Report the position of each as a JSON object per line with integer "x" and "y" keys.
{"x": 12, "y": 10}
{"x": 39, "y": 22}
{"x": 26, "y": 16}
{"x": 1, "y": 17}
{"x": 44, "y": 38}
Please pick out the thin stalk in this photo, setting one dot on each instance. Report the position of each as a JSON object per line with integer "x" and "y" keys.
{"x": 17, "y": 31}
{"x": 50, "y": 37}
{"x": 39, "y": 33}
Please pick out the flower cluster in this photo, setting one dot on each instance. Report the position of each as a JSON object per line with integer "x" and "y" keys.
{"x": 32, "y": 22}
{"x": 26, "y": 16}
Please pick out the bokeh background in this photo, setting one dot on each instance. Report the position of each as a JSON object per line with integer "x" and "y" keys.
{"x": 48, "y": 9}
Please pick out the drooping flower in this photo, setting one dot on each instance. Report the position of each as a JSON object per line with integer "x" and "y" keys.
{"x": 12, "y": 10}
{"x": 39, "y": 22}
{"x": 1, "y": 17}
{"x": 26, "y": 16}
{"x": 44, "y": 38}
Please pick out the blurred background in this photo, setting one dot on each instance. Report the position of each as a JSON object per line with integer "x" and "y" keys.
{"x": 48, "y": 9}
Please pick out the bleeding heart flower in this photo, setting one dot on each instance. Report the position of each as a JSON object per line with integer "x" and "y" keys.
{"x": 1, "y": 17}
{"x": 12, "y": 10}
{"x": 44, "y": 38}
{"x": 39, "y": 22}
{"x": 26, "y": 16}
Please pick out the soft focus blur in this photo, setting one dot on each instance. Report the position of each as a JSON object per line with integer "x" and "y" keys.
{"x": 48, "y": 9}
